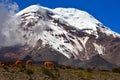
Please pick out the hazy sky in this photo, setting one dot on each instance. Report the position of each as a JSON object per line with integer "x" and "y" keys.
{"x": 106, "y": 11}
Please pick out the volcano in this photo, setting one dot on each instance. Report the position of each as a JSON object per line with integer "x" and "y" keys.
{"x": 66, "y": 36}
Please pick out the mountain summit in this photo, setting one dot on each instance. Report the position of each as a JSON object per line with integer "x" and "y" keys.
{"x": 67, "y": 36}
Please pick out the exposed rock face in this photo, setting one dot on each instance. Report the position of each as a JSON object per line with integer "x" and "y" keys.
{"x": 74, "y": 38}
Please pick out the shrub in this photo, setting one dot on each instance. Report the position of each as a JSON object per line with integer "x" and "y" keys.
{"x": 84, "y": 75}
{"x": 6, "y": 68}
{"x": 89, "y": 70}
{"x": 105, "y": 70}
{"x": 80, "y": 68}
{"x": 48, "y": 73}
{"x": 29, "y": 73}
{"x": 116, "y": 70}
{"x": 54, "y": 75}
{"x": 68, "y": 67}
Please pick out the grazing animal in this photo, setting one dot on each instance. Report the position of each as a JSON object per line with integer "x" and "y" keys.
{"x": 14, "y": 65}
{"x": 49, "y": 64}
{"x": 93, "y": 68}
{"x": 17, "y": 63}
{"x": 29, "y": 62}
{"x": 2, "y": 64}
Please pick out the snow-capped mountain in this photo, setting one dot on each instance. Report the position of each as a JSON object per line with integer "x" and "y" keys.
{"x": 68, "y": 32}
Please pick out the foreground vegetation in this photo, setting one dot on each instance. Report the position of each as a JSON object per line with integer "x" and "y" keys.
{"x": 40, "y": 72}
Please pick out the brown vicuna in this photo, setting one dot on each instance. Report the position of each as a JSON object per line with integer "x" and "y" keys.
{"x": 93, "y": 68}
{"x": 17, "y": 63}
{"x": 49, "y": 64}
{"x": 2, "y": 64}
{"x": 29, "y": 62}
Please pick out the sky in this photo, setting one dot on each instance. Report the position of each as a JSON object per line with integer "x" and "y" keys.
{"x": 106, "y": 11}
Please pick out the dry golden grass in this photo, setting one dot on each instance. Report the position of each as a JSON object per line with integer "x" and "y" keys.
{"x": 39, "y": 72}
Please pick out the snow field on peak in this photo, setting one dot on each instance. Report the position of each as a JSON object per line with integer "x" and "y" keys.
{"x": 79, "y": 19}
{"x": 32, "y": 8}
{"x": 82, "y": 21}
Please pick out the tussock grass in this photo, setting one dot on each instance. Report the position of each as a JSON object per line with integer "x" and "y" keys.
{"x": 39, "y": 72}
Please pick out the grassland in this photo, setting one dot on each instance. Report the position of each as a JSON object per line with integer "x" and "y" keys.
{"x": 39, "y": 72}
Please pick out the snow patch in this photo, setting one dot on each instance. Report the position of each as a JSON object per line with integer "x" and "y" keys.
{"x": 99, "y": 48}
